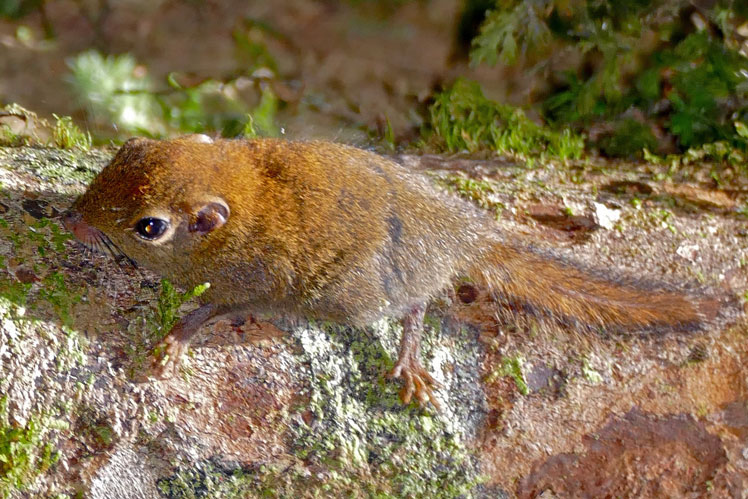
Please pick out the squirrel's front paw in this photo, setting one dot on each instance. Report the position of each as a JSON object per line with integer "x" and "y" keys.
{"x": 166, "y": 357}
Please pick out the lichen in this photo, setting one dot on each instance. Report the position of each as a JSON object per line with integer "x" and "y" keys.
{"x": 353, "y": 437}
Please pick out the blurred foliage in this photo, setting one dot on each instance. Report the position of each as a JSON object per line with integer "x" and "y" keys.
{"x": 16, "y": 9}
{"x": 464, "y": 119}
{"x": 116, "y": 90}
{"x": 647, "y": 68}
{"x": 628, "y": 138}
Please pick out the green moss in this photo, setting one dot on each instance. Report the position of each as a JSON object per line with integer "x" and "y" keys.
{"x": 481, "y": 192}
{"x": 43, "y": 243}
{"x": 353, "y": 438}
{"x": 10, "y": 139}
{"x": 717, "y": 152}
{"x": 214, "y": 479}
{"x": 149, "y": 328}
{"x": 463, "y": 119}
{"x": 66, "y": 135}
{"x": 590, "y": 374}
{"x": 25, "y": 137}
{"x": 512, "y": 367}
{"x": 14, "y": 291}
{"x": 25, "y": 451}
{"x": 63, "y": 167}
{"x": 95, "y": 430}
{"x": 169, "y": 301}
{"x": 367, "y": 435}
{"x": 55, "y": 292}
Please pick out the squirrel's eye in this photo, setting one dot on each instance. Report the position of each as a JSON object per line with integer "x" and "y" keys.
{"x": 151, "y": 228}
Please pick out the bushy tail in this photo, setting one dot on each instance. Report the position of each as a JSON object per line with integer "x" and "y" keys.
{"x": 549, "y": 287}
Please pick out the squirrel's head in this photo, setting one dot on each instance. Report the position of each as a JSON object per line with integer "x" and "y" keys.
{"x": 154, "y": 201}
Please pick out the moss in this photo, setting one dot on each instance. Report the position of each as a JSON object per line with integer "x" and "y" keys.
{"x": 512, "y": 367}
{"x": 590, "y": 374}
{"x": 169, "y": 301}
{"x": 66, "y": 135}
{"x": 481, "y": 192}
{"x": 215, "y": 479}
{"x": 42, "y": 242}
{"x": 462, "y": 118}
{"x": 95, "y": 430}
{"x": 25, "y": 136}
{"x": 27, "y": 447}
{"x": 146, "y": 330}
{"x": 63, "y": 167}
{"x": 353, "y": 438}
{"x": 8, "y": 138}
{"x": 25, "y": 451}
{"x": 367, "y": 436}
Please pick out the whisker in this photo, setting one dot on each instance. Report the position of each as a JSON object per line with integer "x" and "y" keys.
{"x": 116, "y": 252}
{"x": 99, "y": 243}
{"x": 108, "y": 246}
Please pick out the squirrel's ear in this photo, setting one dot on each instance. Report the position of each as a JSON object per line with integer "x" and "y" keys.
{"x": 209, "y": 217}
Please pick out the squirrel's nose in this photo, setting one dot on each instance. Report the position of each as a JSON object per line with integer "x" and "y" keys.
{"x": 70, "y": 219}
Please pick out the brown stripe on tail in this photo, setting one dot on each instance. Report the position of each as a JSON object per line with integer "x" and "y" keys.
{"x": 548, "y": 287}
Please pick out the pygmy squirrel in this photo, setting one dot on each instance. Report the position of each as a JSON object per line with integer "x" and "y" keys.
{"x": 332, "y": 232}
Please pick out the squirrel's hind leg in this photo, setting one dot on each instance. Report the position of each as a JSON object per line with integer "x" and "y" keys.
{"x": 417, "y": 380}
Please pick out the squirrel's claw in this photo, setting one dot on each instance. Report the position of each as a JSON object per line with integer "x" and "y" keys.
{"x": 166, "y": 357}
{"x": 416, "y": 381}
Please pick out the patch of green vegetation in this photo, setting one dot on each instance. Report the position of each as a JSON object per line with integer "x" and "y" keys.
{"x": 27, "y": 135}
{"x": 48, "y": 290}
{"x": 25, "y": 451}
{"x": 67, "y": 135}
{"x": 743, "y": 210}
{"x": 354, "y": 433}
{"x": 14, "y": 291}
{"x": 63, "y": 166}
{"x": 10, "y": 139}
{"x": 55, "y": 292}
{"x": 674, "y": 68}
{"x": 155, "y": 323}
{"x": 95, "y": 429}
{"x": 261, "y": 120}
{"x": 367, "y": 442}
{"x": 116, "y": 89}
{"x": 38, "y": 242}
{"x": 590, "y": 374}
{"x": 512, "y": 367}
{"x": 716, "y": 152}
{"x": 662, "y": 218}
{"x": 169, "y": 301}
{"x": 629, "y": 139}
{"x": 463, "y": 119}
{"x": 212, "y": 479}
{"x": 480, "y": 192}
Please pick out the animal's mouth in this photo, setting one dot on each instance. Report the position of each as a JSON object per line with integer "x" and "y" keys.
{"x": 92, "y": 238}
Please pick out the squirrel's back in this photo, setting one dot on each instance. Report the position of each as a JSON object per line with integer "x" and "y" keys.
{"x": 335, "y": 232}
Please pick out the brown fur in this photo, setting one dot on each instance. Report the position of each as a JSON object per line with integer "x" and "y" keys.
{"x": 333, "y": 232}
